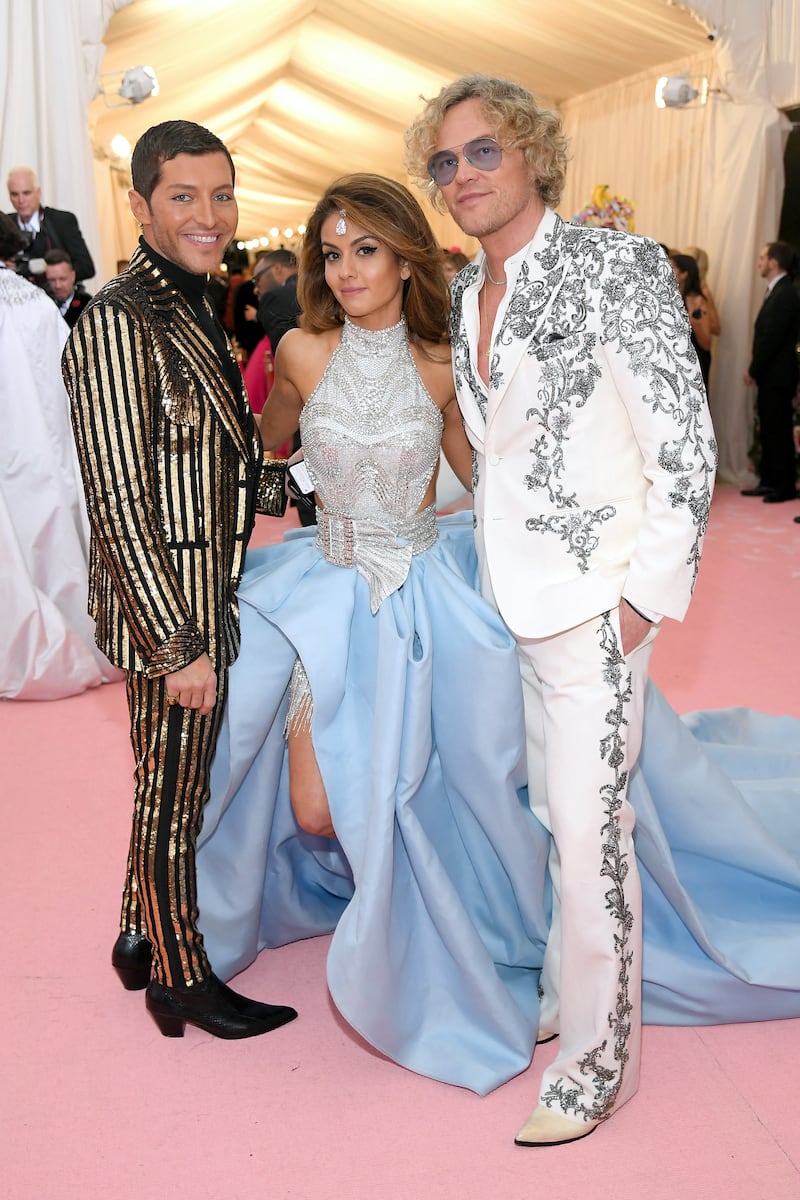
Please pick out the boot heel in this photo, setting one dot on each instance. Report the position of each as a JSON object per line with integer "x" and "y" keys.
{"x": 135, "y": 976}
{"x": 169, "y": 1025}
{"x": 131, "y": 958}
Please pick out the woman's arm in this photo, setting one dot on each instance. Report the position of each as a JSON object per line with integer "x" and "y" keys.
{"x": 713, "y": 315}
{"x": 280, "y": 418}
{"x": 457, "y": 449}
{"x": 435, "y": 371}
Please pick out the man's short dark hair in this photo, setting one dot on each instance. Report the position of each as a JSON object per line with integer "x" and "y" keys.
{"x": 11, "y": 240}
{"x": 52, "y": 257}
{"x": 784, "y": 255}
{"x": 166, "y": 141}
{"x": 286, "y": 258}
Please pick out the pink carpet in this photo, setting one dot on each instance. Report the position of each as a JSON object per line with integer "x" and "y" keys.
{"x": 97, "y": 1104}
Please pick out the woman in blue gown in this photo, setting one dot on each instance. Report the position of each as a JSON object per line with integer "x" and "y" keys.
{"x": 370, "y": 777}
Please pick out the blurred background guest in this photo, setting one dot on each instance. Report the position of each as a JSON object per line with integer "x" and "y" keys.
{"x": 701, "y": 258}
{"x": 774, "y": 369}
{"x": 70, "y": 296}
{"x": 246, "y": 326}
{"x": 278, "y": 310}
{"x": 278, "y": 307}
{"x": 453, "y": 261}
{"x": 217, "y": 292}
{"x": 688, "y": 277}
{"x": 44, "y": 228}
{"x": 238, "y": 272}
{"x": 259, "y": 371}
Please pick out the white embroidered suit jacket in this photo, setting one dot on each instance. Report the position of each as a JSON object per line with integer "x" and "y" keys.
{"x": 594, "y": 451}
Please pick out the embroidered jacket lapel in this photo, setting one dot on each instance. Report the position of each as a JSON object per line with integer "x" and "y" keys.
{"x": 540, "y": 276}
{"x": 464, "y": 325}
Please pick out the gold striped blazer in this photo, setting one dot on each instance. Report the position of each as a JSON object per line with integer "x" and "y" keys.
{"x": 170, "y": 458}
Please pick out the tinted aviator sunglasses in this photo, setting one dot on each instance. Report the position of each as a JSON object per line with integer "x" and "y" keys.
{"x": 483, "y": 153}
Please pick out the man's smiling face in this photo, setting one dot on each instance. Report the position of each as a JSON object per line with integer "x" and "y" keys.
{"x": 191, "y": 216}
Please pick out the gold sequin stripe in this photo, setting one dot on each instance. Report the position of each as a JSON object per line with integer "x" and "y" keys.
{"x": 115, "y": 422}
{"x": 156, "y": 493}
{"x": 173, "y": 748}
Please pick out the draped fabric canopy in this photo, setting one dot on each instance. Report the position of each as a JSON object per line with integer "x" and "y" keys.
{"x": 304, "y": 91}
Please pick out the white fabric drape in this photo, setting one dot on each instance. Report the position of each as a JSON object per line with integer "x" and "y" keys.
{"x": 759, "y": 45}
{"x": 49, "y": 62}
{"x": 710, "y": 176}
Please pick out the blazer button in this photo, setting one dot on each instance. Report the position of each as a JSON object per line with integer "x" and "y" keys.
{"x": 494, "y": 459}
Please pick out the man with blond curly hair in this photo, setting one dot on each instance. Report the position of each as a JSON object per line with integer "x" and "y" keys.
{"x": 594, "y": 462}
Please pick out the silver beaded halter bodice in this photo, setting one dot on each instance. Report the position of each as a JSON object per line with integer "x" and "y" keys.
{"x": 371, "y": 435}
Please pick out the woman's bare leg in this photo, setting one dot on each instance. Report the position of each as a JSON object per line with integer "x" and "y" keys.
{"x": 306, "y": 789}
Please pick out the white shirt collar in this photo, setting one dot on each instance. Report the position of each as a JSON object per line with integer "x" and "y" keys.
{"x": 772, "y": 282}
{"x": 513, "y": 264}
{"x": 33, "y": 223}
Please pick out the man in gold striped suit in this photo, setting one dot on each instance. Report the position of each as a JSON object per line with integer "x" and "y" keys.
{"x": 170, "y": 458}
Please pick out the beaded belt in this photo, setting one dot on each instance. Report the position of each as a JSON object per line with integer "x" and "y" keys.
{"x": 382, "y": 556}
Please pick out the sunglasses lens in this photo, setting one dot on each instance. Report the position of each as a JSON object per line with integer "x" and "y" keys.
{"x": 442, "y": 168}
{"x": 483, "y": 153}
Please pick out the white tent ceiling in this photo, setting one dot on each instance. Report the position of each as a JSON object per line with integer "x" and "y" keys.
{"x": 305, "y": 90}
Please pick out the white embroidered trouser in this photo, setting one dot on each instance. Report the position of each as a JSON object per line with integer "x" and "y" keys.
{"x": 583, "y": 712}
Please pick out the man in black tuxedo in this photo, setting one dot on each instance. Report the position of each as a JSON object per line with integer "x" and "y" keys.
{"x": 70, "y": 296}
{"x": 278, "y": 308}
{"x": 773, "y": 368}
{"x": 44, "y": 228}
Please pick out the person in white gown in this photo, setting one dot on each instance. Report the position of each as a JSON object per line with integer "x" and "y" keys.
{"x": 395, "y": 812}
{"x": 47, "y": 647}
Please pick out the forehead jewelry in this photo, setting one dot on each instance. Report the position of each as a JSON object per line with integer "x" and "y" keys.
{"x": 341, "y": 224}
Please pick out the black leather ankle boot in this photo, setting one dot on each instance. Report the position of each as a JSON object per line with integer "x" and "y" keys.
{"x": 213, "y": 1007}
{"x": 132, "y": 958}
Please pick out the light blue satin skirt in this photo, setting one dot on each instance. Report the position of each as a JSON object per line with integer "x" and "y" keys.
{"x": 437, "y": 888}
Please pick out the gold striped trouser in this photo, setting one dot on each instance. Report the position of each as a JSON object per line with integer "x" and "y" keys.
{"x": 173, "y": 749}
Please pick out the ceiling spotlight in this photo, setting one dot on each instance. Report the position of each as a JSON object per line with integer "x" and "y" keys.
{"x": 681, "y": 91}
{"x": 134, "y": 85}
{"x": 120, "y": 146}
{"x": 138, "y": 83}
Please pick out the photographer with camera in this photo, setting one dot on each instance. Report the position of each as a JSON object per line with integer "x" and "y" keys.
{"x": 44, "y": 229}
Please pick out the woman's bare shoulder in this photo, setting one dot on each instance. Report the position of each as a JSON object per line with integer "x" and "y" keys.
{"x": 302, "y": 355}
{"x": 297, "y": 343}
